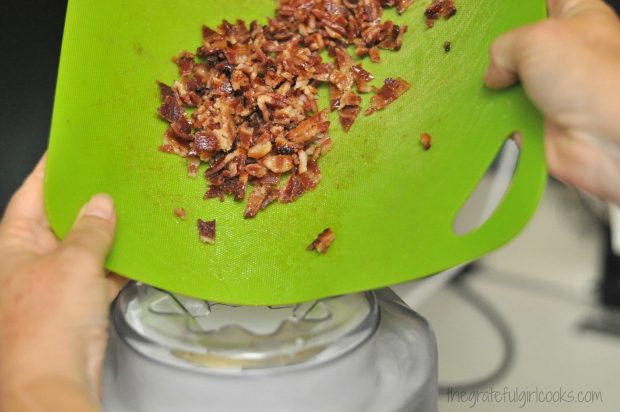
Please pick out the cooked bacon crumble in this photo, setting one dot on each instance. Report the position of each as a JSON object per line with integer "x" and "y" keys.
{"x": 437, "y": 9}
{"x": 391, "y": 90}
{"x": 180, "y": 213}
{"x": 206, "y": 231}
{"x": 253, "y": 95}
{"x": 246, "y": 101}
{"x": 425, "y": 141}
{"x": 323, "y": 241}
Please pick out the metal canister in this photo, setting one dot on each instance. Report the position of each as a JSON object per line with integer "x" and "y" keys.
{"x": 360, "y": 352}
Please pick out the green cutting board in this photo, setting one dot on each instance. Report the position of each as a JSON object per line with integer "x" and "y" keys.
{"x": 390, "y": 204}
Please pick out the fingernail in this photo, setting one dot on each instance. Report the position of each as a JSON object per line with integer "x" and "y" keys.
{"x": 101, "y": 206}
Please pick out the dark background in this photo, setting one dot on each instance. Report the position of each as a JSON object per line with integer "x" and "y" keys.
{"x": 30, "y": 39}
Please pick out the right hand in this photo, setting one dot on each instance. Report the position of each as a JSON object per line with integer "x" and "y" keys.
{"x": 569, "y": 66}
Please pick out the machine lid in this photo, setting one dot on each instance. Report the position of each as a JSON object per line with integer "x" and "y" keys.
{"x": 185, "y": 331}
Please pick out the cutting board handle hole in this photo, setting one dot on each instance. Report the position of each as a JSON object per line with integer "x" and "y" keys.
{"x": 491, "y": 189}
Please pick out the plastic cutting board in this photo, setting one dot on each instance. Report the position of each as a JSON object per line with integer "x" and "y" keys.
{"x": 390, "y": 204}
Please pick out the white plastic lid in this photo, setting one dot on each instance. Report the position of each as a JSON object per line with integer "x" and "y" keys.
{"x": 195, "y": 333}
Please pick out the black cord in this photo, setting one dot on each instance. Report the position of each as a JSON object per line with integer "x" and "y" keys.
{"x": 503, "y": 330}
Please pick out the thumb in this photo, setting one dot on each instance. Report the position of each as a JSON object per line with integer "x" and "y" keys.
{"x": 92, "y": 234}
{"x": 505, "y": 56}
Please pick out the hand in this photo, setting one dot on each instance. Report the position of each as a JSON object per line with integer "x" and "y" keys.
{"x": 569, "y": 66}
{"x": 54, "y": 299}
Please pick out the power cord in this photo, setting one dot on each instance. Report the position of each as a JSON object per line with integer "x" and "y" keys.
{"x": 503, "y": 330}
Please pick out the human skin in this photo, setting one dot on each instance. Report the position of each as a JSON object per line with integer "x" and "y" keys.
{"x": 54, "y": 299}
{"x": 569, "y": 65}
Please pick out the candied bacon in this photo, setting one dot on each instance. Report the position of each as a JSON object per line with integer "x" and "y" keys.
{"x": 425, "y": 141}
{"x": 206, "y": 231}
{"x": 402, "y": 5}
{"x": 180, "y": 213}
{"x": 391, "y": 90}
{"x": 437, "y": 9}
{"x": 252, "y": 90}
{"x": 323, "y": 241}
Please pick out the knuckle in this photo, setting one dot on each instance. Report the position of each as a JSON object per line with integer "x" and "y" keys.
{"x": 546, "y": 33}
{"x": 73, "y": 254}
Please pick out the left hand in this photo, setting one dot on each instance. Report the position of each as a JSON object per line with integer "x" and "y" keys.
{"x": 54, "y": 299}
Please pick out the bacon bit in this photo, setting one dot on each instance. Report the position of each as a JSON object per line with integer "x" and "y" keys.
{"x": 350, "y": 109}
{"x": 391, "y": 90}
{"x": 303, "y": 162}
{"x": 323, "y": 241}
{"x": 334, "y": 97}
{"x": 180, "y": 213}
{"x": 185, "y": 61}
{"x": 278, "y": 163}
{"x": 447, "y": 46}
{"x": 425, "y": 140}
{"x": 309, "y": 128}
{"x": 170, "y": 109}
{"x": 402, "y": 5}
{"x": 255, "y": 201}
{"x": 256, "y": 170}
{"x": 293, "y": 189}
{"x": 373, "y": 52}
{"x": 192, "y": 166}
{"x": 254, "y": 90}
{"x": 311, "y": 177}
{"x": 206, "y": 231}
{"x": 261, "y": 148}
{"x": 438, "y": 8}
{"x": 393, "y": 36}
{"x": 362, "y": 78}
{"x": 263, "y": 194}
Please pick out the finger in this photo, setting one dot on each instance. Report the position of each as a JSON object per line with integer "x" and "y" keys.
{"x": 27, "y": 202}
{"x": 505, "y": 56}
{"x": 93, "y": 232}
{"x": 583, "y": 163}
{"x": 115, "y": 284}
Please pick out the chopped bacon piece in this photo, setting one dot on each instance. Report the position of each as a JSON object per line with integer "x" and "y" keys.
{"x": 166, "y": 91}
{"x": 293, "y": 189}
{"x": 402, "y": 5}
{"x": 393, "y": 37}
{"x": 253, "y": 91}
{"x": 311, "y": 177}
{"x": 447, "y": 46}
{"x": 362, "y": 77}
{"x": 334, "y": 97}
{"x": 373, "y": 52}
{"x": 437, "y": 9}
{"x": 256, "y": 170}
{"x": 278, "y": 163}
{"x": 180, "y": 213}
{"x": 349, "y": 110}
{"x": 255, "y": 201}
{"x": 170, "y": 109}
{"x": 391, "y": 90}
{"x": 261, "y": 148}
{"x": 323, "y": 241}
{"x": 263, "y": 194}
{"x": 206, "y": 231}
{"x": 192, "y": 166}
{"x": 185, "y": 61}
{"x": 425, "y": 140}
{"x": 309, "y": 128}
